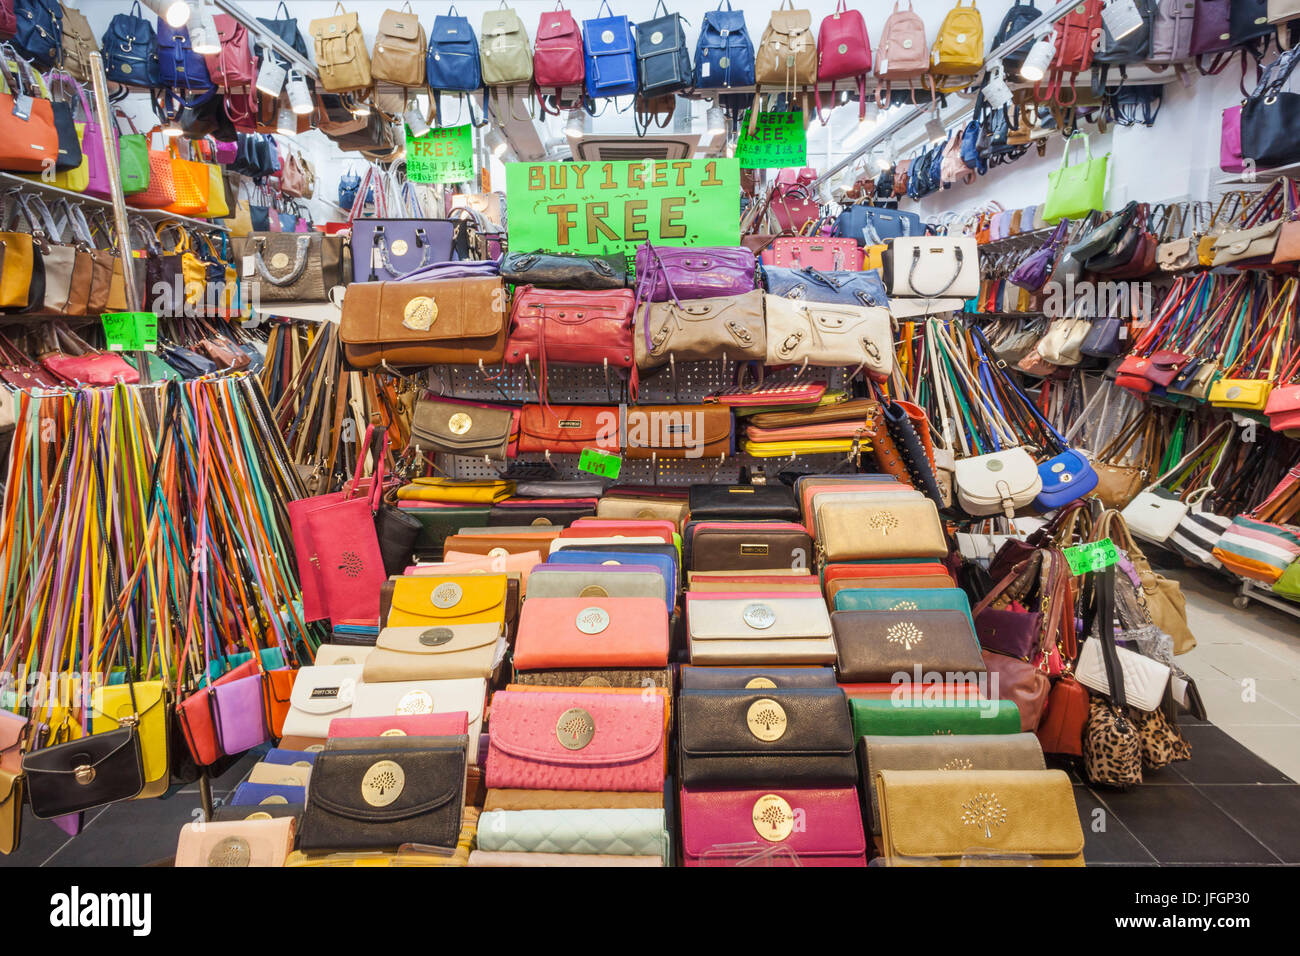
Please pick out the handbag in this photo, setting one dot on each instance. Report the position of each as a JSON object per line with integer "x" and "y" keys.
{"x": 584, "y": 328}
{"x": 815, "y": 333}
{"x": 564, "y": 271}
{"x": 29, "y": 140}
{"x": 812, "y": 285}
{"x": 692, "y": 272}
{"x": 1074, "y": 191}
{"x": 1270, "y": 113}
{"x": 1154, "y": 513}
{"x": 130, "y": 49}
{"x": 843, "y": 53}
{"x": 933, "y": 267}
{"x": 700, "y": 329}
{"x": 558, "y": 61}
{"x": 872, "y": 225}
{"x": 827, "y": 255}
{"x": 786, "y": 57}
{"x": 292, "y": 267}
{"x": 1163, "y": 597}
{"x": 453, "y": 428}
{"x": 386, "y": 250}
{"x": 609, "y": 48}
{"x": 398, "y": 56}
{"x": 663, "y": 58}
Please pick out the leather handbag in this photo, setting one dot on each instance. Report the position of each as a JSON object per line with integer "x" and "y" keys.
{"x": 699, "y": 329}
{"x": 748, "y": 738}
{"x": 233, "y": 67}
{"x": 702, "y": 272}
{"x": 453, "y": 428}
{"x": 933, "y": 267}
{"x": 449, "y": 321}
{"x": 805, "y": 252}
{"x": 610, "y": 53}
{"x": 113, "y": 707}
{"x": 386, "y": 250}
{"x": 160, "y": 193}
{"x": 568, "y": 429}
{"x": 373, "y": 793}
{"x": 821, "y": 334}
{"x": 959, "y": 817}
{"x": 742, "y": 502}
{"x": 342, "y": 60}
{"x": 433, "y": 653}
{"x": 584, "y": 328}
{"x": 242, "y": 843}
{"x": 507, "y": 59}
{"x": 398, "y": 54}
{"x": 760, "y": 627}
{"x": 29, "y": 140}
{"x": 321, "y": 694}
{"x": 677, "y": 431}
{"x": 735, "y": 827}
{"x": 293, "y": 267}
{"x": 838, "y": 288}
{"x": 970, "y": 752}
{"x": 577, "y": 740}
{"x": 876, "y": 646}
{"x": 591, "y": 632}
{"x": 558, "y": 61}
{"x": 786, "y": 56}
{"x": 545, "y": 270}
{"x": 997, "y": 482}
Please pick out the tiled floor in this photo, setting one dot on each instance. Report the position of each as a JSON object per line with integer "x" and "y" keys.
{"x": 1235, "y": 802}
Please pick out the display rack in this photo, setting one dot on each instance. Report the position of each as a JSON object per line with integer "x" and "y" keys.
{"x": 1252, "y": 591}
{"x": 153, "y": 215}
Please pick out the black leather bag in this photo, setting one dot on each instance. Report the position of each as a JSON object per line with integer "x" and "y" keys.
{"x": 663, "y": 59}
{"x": 557, "y": 271}
{"x": 1270, "y": 120}
{"x": 541, "y": 515}
{"x": 377, "y": 793}
{"x": 397, "y": 531}
{"x": 65, "y": 127}
{"x": 910, "y": 446}
{"x": 742, "y": 502}
{"x": 1120, "y": 251}
{"x": 84, "y": 774}
{"x": 1103, "y": 339}
{"x": 750, "y": 738}
{"x": 1248, "y": 21}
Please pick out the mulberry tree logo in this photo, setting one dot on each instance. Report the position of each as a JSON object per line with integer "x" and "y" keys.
{"x": 384, "y": 781}
{"x": 984, "y": 811}
{"x": 883, "y": 521}
{"x": 905, "y": 633}
{"x": 767, "y": 718}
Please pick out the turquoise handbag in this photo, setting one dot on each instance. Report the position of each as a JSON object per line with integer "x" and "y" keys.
{"x": 272, "y": 659}
{"x": 904, "y": 599}
{"x": 623, "y": 832}
{"x": 883, "y": 717}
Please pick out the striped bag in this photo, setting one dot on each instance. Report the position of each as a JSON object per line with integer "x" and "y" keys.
{"x": 1196, "y": 536}
{"x": 1257, "y": 549}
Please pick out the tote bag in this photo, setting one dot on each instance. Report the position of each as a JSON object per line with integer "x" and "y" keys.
{"x": 1074, "y": 191}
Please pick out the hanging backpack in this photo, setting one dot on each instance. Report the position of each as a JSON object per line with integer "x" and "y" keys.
{"x": 507, "y": 59}
{"x": 285, "y": 29}
{"x": 557, "y": 57}
{"x": 130, "y": 49}
{"x": 1016, "y": 19}
{"x": 1075, "y": 33}
{"x": 959, "y": 48}
{"x": 342, "y": 60}
{"x": 843, "y": 53}
{"x": 663, "y": 61}
{"x": 1133, "y": 47}
{"x": 610, "y": 57}
{"x": 902, "y": 54}
{"x": 724, "y": 55}
{"x": 233, "y": 68}
{"x": 400, "y": 45}
{"x": 787, "y": 53}
{"x": 1172, "y": 26}
{"x": 182, "y": 72}
{"x": 78, "y": 44}
{"x": 38, "y": 33}
{"x": 452, "y": 64}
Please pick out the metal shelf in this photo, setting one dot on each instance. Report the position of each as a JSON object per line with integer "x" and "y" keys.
{"x": 153, "y": 215}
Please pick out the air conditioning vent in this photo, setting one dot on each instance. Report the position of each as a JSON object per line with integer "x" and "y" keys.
{"x": 633, "y": 148}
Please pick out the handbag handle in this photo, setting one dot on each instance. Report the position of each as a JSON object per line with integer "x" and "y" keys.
{"x": 958, "y": 255}
{"x": 1191, "y": 455}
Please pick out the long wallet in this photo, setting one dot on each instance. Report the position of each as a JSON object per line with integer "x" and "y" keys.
{"x": 855, "y": 530}
{"x": 569, "y": 800}
{"x": 592, "y": 632}
{"x": 758, "y": 628}
{"x": 748, "y": 545}
{"x": 874, "y": 717}
{"x": 725, "y": 827}
{"x": 880, "y": 645}
{"x": 440, "y": 652}
{"x": 624, "y": 831}
{"x": 742, "y": 502}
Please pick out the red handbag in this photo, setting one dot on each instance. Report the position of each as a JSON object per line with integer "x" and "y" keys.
{"x": 1061, "y": 729}
{"x": 824, "y": 255}
{"x": 843, "y": 53}
{"x": 584, "y": 328}
{"x": 557, "y": 56}
{"x": 568, "y": 428}
{"x": 1131, "y": 374}
{"x": 232, "y": 67}
{"x": 791, "y": 203}
{"x": 196, "y": 719}
{"x": 89, "y": 366}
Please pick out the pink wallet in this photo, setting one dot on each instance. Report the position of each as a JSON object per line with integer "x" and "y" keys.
{"x": 569, "y": 740}
{"x": 819, "y": 827}
{"x": 236, "y": 843}
{"x": 850, "y": 429}
{"x": 451, "y": 724}
{"x": 596, "y": 632}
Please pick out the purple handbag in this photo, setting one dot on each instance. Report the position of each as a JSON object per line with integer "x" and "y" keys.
{"x": 92, "y": 143}
{"x": 1212, "y": 32}
{"x": 1014, "y": 633}
{"x": 237, "y": 712}
{"x": 385, "y": 250}
{"x": 225, "y": 153}
{"x": 693, "y": 273}
{"x": 460, "y": 269}
{"x": 1033, "y": 273}
{"x": 1230, "y": 158}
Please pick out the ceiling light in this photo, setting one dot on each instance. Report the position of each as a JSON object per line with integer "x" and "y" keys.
{"x": 496, "y": 143}
{"x": 203, "y": 35}
{"x": 177, "y": 14}
{"x": 1039, "y": 60}
{"x": 287, "y": 122}
{"x": 270, "y": 76}
{"x": 717, "y": 121}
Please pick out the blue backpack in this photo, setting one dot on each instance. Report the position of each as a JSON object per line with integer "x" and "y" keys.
{"x": 39, "y": 31}
{"x": 610, "y": 52}
{"x": 181, "y": 71}
{"x": 452, "y": 63}
{"x": 724, "y": 55}
{"x": 349, "y": 186}
{"x": 131, "y": 49}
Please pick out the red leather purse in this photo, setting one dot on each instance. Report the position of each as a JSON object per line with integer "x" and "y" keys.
{"x": 196, "y": 715}
{"x": 1061, "y": 728}
{"x": 568, "y": 428}
{"x": 583, "y": 328}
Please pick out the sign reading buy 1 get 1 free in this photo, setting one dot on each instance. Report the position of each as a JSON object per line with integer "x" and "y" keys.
{"x": 614, "y": 207}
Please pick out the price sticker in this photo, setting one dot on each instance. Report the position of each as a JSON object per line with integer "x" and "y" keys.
{"x": 1092, "y": 557}
{"x": 600, "y": 463}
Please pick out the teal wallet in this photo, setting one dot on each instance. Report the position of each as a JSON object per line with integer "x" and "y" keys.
{"x": 903, "y": 599}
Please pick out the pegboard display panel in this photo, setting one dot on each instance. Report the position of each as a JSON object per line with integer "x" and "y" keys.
{"x": 586, "y": 385}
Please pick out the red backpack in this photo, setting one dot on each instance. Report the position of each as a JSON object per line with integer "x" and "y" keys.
{"x": 1076, "y": 34}
{"x": 8, "y": 21}
{"x": 557, "y": 56}
{"x": 843, "y": 53}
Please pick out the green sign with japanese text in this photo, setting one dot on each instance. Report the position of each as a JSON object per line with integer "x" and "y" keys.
{"x": 778, "y": 141}
{"x": 613, "y": 207}
{"x": 443, "y": 155}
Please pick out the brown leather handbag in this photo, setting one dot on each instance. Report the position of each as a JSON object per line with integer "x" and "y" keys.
{"x": 450, "y": 321}
{"x": 1118, "y": 484}
{"x": 291, "y": 266}
{"x": 678, "y": 431}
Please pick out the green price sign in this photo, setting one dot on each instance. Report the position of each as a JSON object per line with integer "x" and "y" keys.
{"x": 600, "y": 463}
{"x": 778, "y": 140}
{"x": 443, "y": 155}
{"x": 131, "y": 331}
{"x": 607, "y": 208}
{"x": 1096, "y": 556}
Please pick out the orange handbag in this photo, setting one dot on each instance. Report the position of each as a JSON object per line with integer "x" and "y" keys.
{"x": 592, "y": 632}
{"x": 277, "y": 686}
{"x": 193, "y": 185}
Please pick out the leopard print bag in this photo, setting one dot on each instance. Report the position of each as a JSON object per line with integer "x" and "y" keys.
{"x": 1112, "y": 750}
{"x": 1160, "y": 740}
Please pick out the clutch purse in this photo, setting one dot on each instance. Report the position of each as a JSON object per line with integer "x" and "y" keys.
{"x": 600, "y": 831}
{"x": 758, "y": 628}
{"x": 976, "y": 813}
{"x": 601, "y": 581}
{"x": 236, "y": 843}
{"x": 620, "y": 506}
{"x": 1145, "y": 679}
{"x": 320, "y": 694}
{"x": 434, "y": 653}
{"x": 749, "y": 738}
{"x": 698, "y": 329}
{"x": 829, "y": 335}
{"x": 568, "y": 429}
{"x": 592, "y": 632}
{"x": 903, "y": 599}
{"x": 742, "y": 502}
{"x": 860, "y": 530}
{"x": 912, "y": 717}
{"x": 725, "y": 827}
{"x": 639, "y": 677}
{"x": 571, "y": 740}
{"x": 456, "y": 491}
{"x": 267, "y": 794}
{"x": 413, "y": 698}
{"x": 285, "y": 774}
{"x": 677, "y": 431}
{"x": 446, "y": 322}
{"x": 455, "y": 429}
{"x": 377, "y": 793}
{"x": 881, "y": 645}
{"x": 446, "y": 600}
{"x": 447, "y": 724}
{"x": 971, "y": 752}
{"x": 748, "y": 546}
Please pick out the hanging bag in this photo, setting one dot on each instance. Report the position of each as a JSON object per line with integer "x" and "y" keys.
{"x": 342, "y": 60}
{"x": 610, "y": 51}
{"x": 843, "y": 53}
{"x": 400, "y": 47}
{"x": 506, "y": 54}
{"x": 29, "y": 141}
{"x": 663, "y": 59}
{"x": 724, "y": 55}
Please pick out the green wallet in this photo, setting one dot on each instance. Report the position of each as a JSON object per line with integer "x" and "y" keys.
{"x": 437, "y": 523}
{"x": 883, "y": 717}
{"x": 904, "y": 599}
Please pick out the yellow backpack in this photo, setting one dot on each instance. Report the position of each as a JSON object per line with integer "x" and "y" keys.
{"x": 958, "y": 50}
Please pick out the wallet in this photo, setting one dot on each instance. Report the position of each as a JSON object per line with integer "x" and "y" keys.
{"x": 598, "y": 580}
{"x": 742, "y": 502}
{"x": 408, "y": 698}
{"x": 726, "y": 827}
{"x": 285, "y": 774}
{"x": 881, "y": 645}
{"x": 321, "y": 693}
{"x": 236, "y": 843}
{"x": 452, "y": 428}
{"x": 329, "y": 654}
{"x": 538, "y": 513}
{"x": 860, "y": 530}
{"x": 456, "y": 490}
{"x": 755, "y": 678}
{"x": 677, "y": 431}
{"x": 492, "y": 858}
{"x": 570, "y": 800}
{"x": 662, "y": 557}
{"x": 758, "y": 628}
{"x": 750, "y": 738}
{"x": 903, "y": 599}
{"x": 595, "y": 632}
{"x": 748, "y": 546}
{"x": 624, "y": 831}
{"x": 568, "y": 429}
{"x": 257, "y": 794}
{"x": 588, "y": 679}
{"x": 874, "y": 717}
{"x": 618, "y": 506}
{"x": 442, "y": 601}
{"x": 437, "y": 521}
{"x": 446, "y": 724}
{"x": 444, "y": 652}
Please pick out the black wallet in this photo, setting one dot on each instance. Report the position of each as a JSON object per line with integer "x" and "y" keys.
{"x": 755, "y": 678}
{"x": 743, "y": 502}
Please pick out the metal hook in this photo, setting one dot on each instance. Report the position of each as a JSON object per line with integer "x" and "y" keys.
{"x": 494, "y": 379}
{"x": 722, "y": 460}
{"x": 672, "y": 366}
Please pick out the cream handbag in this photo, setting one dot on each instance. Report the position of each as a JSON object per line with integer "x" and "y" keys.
{"x": 698, "y": 329}
{"x": 434, "y": 653}
{"x": 1062, "y": 341}
{"x": 1144, "y": 677}
{"x": 786, "y": 630}
{"x": 342, "y": 654}
{"x": 930, "y": 267}
{"x": 999, "y": 482}
{"x": 287, "y": 775}
{"x": 817, "y": 333}
{"x": 404, "y": 698}
{"x": 1154, "y": 513}
{"x": 320, "y": 694}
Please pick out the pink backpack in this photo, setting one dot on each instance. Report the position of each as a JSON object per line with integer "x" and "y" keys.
{"x": 843, "y": 53}
{"x": 557, "y": 56}
{"x": 903, "y": 54}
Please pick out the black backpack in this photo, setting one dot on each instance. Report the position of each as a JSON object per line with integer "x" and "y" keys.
{"x": 1016, "y": 19}
{"x": 1133, "y": 47}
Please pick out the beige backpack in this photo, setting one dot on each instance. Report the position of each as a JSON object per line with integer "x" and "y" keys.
{"x": 787, "y": 55}
{"x": 503, "y": 49}
{"x": 341, "y": 57}
{"x": 400, "y": 47}
{"x": 78, "y": 43}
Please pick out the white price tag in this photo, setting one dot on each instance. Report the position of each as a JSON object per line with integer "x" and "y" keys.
{"x": 704, "y": 70}
{"x": 23, "y": 106}
{"x": 996, "y": 92}
{"x": 1121, "y": 18}
{"x": 250, "y": 266}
